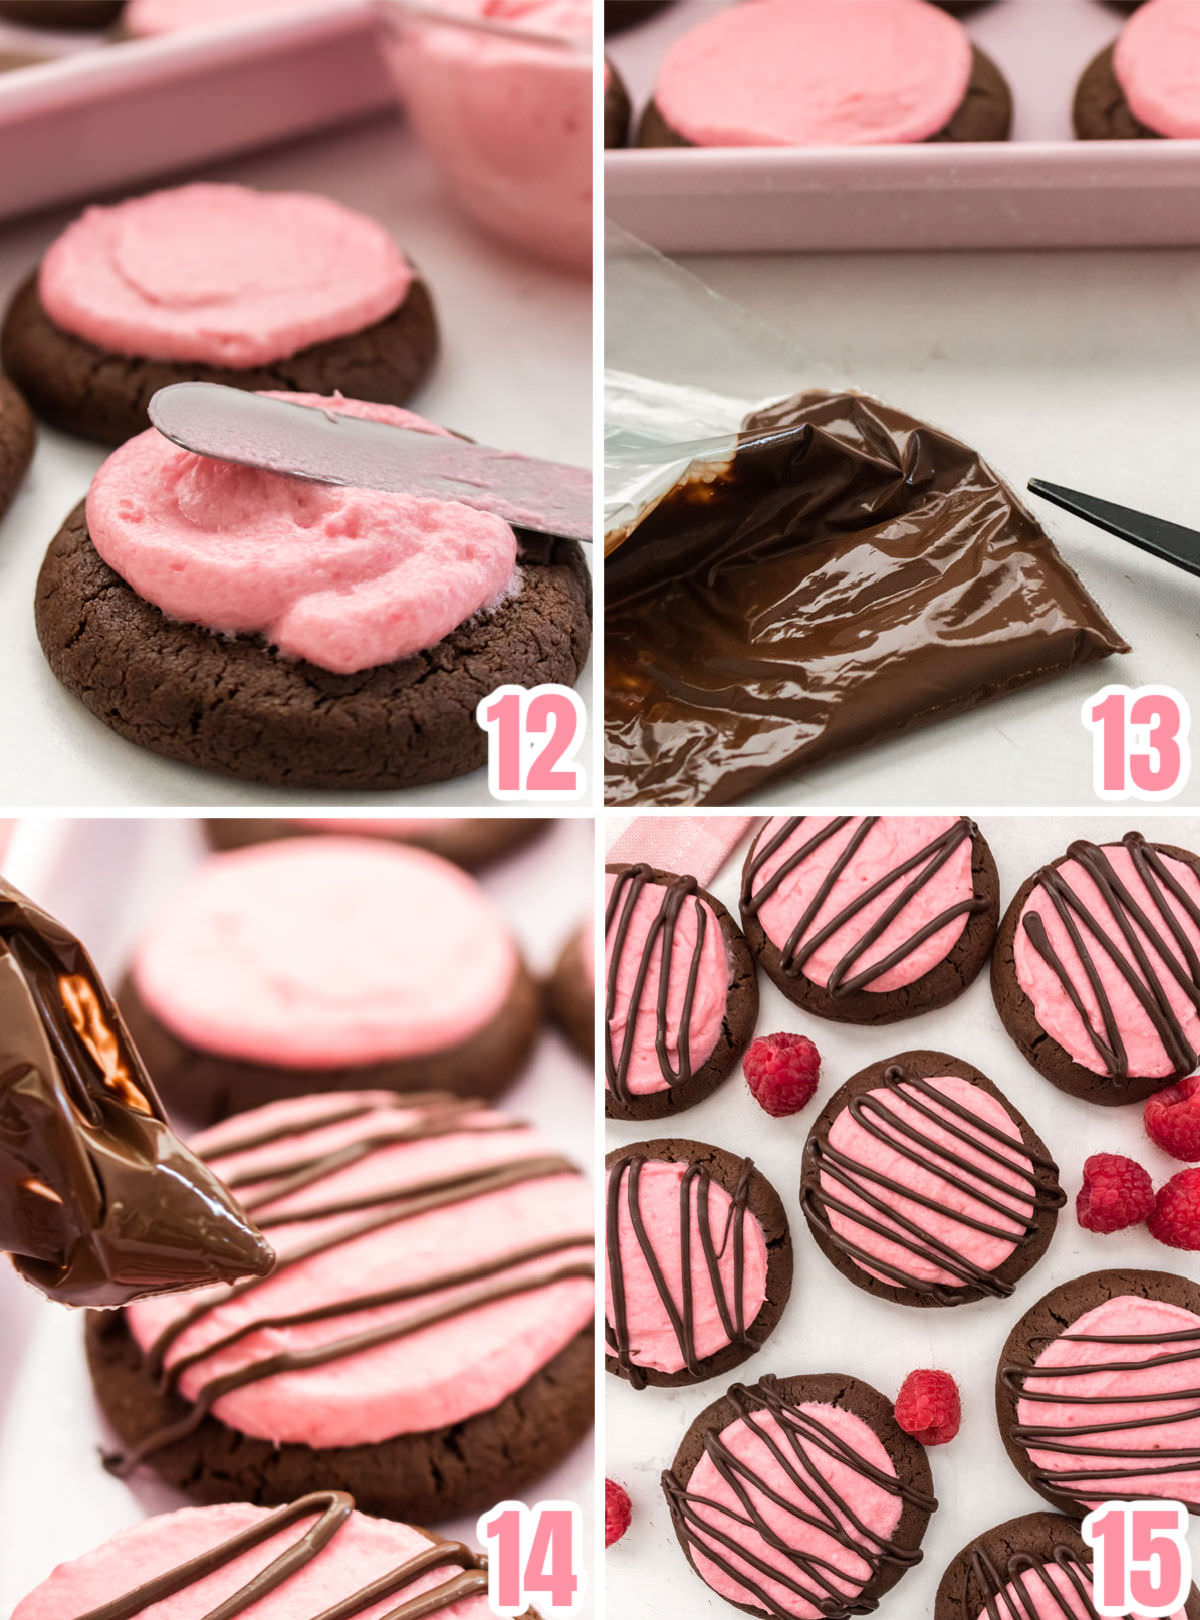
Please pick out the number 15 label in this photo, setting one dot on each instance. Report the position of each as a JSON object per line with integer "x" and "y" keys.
{"x": 1143, "y": 1563}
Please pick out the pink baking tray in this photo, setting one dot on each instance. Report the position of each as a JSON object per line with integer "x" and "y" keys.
{"x": 114, "y": 116}
{"x": 1041, "y": 190}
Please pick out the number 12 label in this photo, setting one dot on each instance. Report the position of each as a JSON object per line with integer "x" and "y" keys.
{"x": 533, "y": 1557}
{"x": 533, "y": 734}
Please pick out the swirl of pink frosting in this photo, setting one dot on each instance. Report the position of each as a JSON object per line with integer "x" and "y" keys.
{"x": 653, "y": 1342}
{"x": 819, "y": 74}
{"x": 1157, "y": 63}
{"x": 326, "y": 952}
{"x": 891, "y": 842}
{"x": 1047, "y": 1593}
{"x": 1053, "y": 1007}
{"x": 221, "y": 274}
{"x": 1132, "y": 1395}
{"x": 346, "y": 578}
{"x": 441, "y": 1374}
{"x": 710, "y": 997}
{"x": 363, "y": 1551}
{"x": 790, "y": 1509}
{"x": 921, "y": 1173}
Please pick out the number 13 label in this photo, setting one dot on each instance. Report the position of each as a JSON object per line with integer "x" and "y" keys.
{"x": 1140, "y": 742}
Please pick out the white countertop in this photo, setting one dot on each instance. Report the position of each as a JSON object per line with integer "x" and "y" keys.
{"x": 515, "y": 371}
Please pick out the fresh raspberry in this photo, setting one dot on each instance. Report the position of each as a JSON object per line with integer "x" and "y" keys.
{"x": 618, "y": 1511}
{"x": 1116, "y": 1193}
{"x": 782, "y": 1072}
{"x": 928, "y": 1406}
{"x": 1176, "y": 1217}
{"x": 1173, "y": 1119}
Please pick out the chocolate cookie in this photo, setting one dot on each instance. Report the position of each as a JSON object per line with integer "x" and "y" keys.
{"x": 62, "y": 13}
{"x": 984, "y": 115}
{"x": 74, "y": 385}
{"x": 735, "y": 1221}
{"x": 468, "y": 841}
{"x": 1099, "y": 1011}
{"x": 622, "y": 14}
{"x": 483, "y": 1250}
{"x": 1019, "y": 1567}
{"x": 737, "y": 1507}
{"x": 666, "y": 1050}
{"x": 617, "y": 109}
{"x": 571, "y": 992}
{"x": 1101, "y": 111}
{"x": 230, "y": 704}
{"x": 870, "y": 919}
{"x": 16, "y": 442}
{"x": 1142, "y": 1325}
{"x": 413, "y": 982}
{"x": 924, "y": 1185}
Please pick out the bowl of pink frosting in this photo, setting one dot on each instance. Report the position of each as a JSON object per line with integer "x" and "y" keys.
{"x": 505, "y": 111}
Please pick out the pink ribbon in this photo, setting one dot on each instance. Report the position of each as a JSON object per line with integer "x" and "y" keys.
{"x": 696, "y": 845}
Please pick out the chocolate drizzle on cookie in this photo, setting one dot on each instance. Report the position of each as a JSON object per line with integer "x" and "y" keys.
{"x": 995, "y": 1203}
{"x": 1117, "y": 933}
{"x": 624, "y": 1193}
{"x": 100, "y": 1203}
{"x": 1133, "y": 1353}
{"x": 465, "y": 1573}
{"x": 998, "y": 1604}
{"x": 719, "y": 1532}
{"x": 674, "y": 893}
{"x": 911, "y": 874}
{"x": 474, "y": 1284}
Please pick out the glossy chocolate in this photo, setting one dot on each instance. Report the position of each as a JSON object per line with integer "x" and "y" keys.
{"x": 850, "y": 574}
{"x": 465, "y": 1574}
{"x": 100, "y": 1203}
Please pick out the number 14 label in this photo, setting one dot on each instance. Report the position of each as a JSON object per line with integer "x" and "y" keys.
{"x": 533, "y": 1558}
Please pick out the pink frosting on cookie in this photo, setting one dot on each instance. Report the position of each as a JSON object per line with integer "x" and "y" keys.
{"x": 439, "y": 1375}
{"x": 221, "y": 274}
{"x": 1157, "y": 62}
{"x": 875, "y": 1507}
{"x": 920, "y": 1170}
{"x": 1052, "y": 1006}
{"x": 1118, "y": 1400}
{"x": 709, "y": 1000}
{"x": 652, "y": 1340}
{"x": 890, "y": 843}
{"x": 825, "y": 73}
{"x": 146, "y": 18}
{"x": 1049, "y": 1593}
{"x": 510, "y": 123}
{"x": 363, "y": 1551}
{"x": 325, "y": 952}
{"x": 346, "y": 578}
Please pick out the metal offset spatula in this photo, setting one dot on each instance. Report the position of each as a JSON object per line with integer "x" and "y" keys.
{"x": 326, "y": 447}
{"x": 1170, "y": 541}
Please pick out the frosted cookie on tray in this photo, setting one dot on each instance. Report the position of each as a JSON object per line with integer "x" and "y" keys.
{"x": 1144, "y": 85}
{"x": 215, "y": 283}
{"x": 288, "y": 1565}
{"x": 826, "y": 73}
{"x": 297, "y": 633}
{"x": 424, "y": 1341}
{"x": 330, "y": 964}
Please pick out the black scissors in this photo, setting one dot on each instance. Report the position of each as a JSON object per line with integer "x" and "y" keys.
{"x": 1170, "y": 541}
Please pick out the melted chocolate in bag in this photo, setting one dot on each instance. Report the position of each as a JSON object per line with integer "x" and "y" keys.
{"x": 100, "y": 1203}
{"x": 851, "y": 574}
